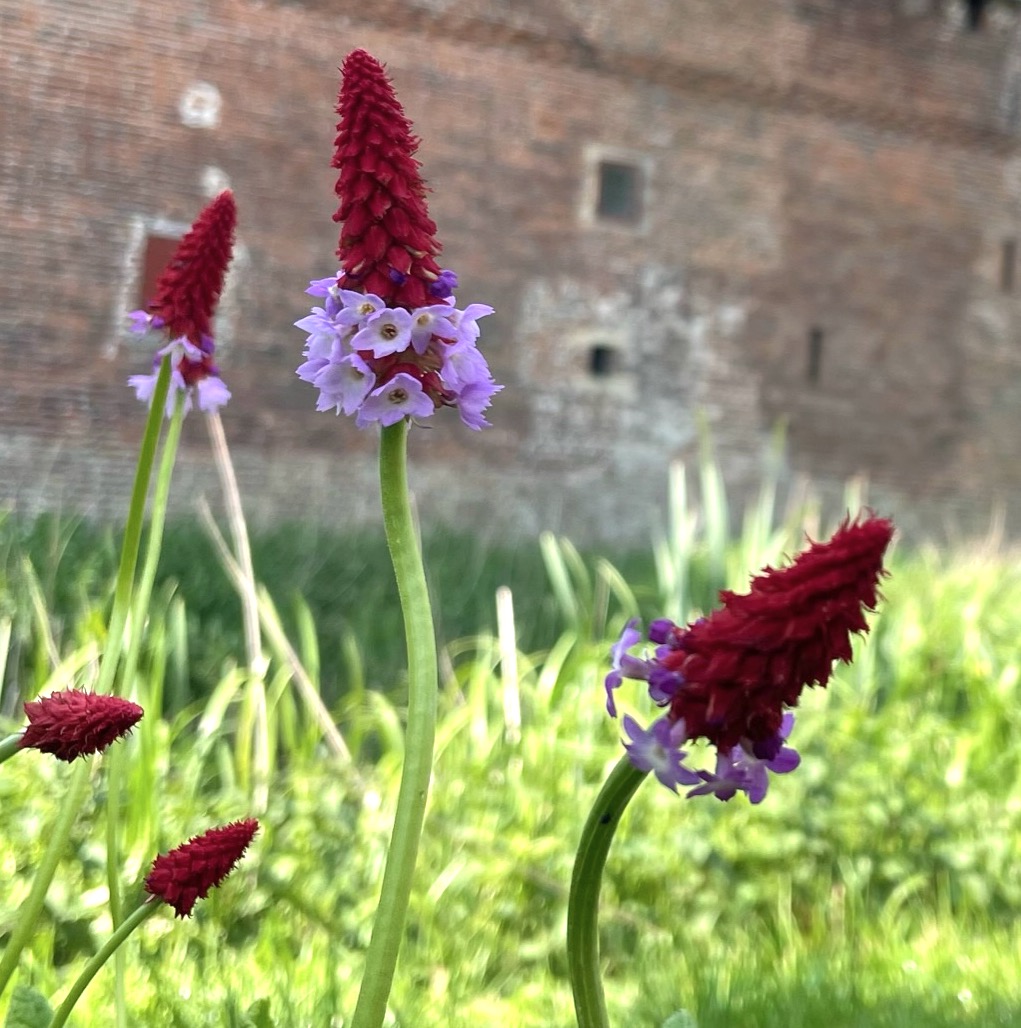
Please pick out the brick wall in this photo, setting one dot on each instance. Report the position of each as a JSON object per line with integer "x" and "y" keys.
{"x": 843, "y": 169}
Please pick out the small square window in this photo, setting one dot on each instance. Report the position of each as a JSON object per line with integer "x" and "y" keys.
{"x": 619, "y": 197}
{"x": 1008, "y": 265}
{"x": 602, "y": 360}
{"x": 975, "y": 14}
{"x": 156, "y": 254}
{"x": 814, "y": 367}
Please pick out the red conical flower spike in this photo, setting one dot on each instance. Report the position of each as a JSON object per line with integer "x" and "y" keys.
{"x": 188, "y": 289}
{"x": 186, "y": 874}
{"x": 728, "y": 678}
{"x": 387, "y": 243}
{"x": 749, "y": 659}
{"x": 74, "y": 723}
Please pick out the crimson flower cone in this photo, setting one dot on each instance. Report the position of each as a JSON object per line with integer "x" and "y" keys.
{"x": 753, "y": 656}
{"x": 387, "y": 242}
{"x": 186, "y": 874}
{"x": 73, "y": 723}
{"x": 188, "y": 289}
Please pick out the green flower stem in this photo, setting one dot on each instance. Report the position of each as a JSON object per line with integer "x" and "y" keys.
{"x": 418, "y": 747}
{"x": 123, "y": 930}
{"x": 32, "y": 906}
{"x": 10, "y": 746}
{"x": 140, "y": 597}
{"x": 583, "y": 902}
{"x": 133, "y": 531}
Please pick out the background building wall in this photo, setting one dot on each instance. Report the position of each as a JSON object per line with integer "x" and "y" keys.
{"x": 828, "y": 193}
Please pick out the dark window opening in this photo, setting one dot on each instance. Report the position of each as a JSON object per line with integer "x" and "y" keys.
{"x": 156, "y": 256}
{"x": 975, "y": 14}
{"x": 1008, "y": 263}
{"x": 619, "y": 192}
{"x": 814, "y": 369}
{"x": 602, "y": 360}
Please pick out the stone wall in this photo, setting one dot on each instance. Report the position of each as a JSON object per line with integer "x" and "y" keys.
{"x": 826, "y": 190}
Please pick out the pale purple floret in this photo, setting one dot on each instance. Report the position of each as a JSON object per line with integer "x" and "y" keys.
{"x": 618, "y": 654}
{"x": 322, "y": 286}
{"x": 466, "y": 321}
{"x": 401, "y": 397}
{"x": 211, "y": 393}
{"x": 385, "y": 332}
{"x": 344, "y": 384}
{"x": 464, "y": 364}
{"x": 427, "y": 322}
{"x": 473, "y": 399}
{"x": 356, "y": 308}
{"x": 206, "y": 388}
{"x": 139, "y": 322}
{"x": 725, "y": 782}
{"x": 775, "y": 757}
{"x": 658, "y": 749}
{"x": 740, "y": 770}
{"x": 308, "y": 371}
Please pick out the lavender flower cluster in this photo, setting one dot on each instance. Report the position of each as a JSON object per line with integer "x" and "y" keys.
{"x": 659, "y": 748}
{"x": 192, "y": 369}
{"x": 383, "y": 363}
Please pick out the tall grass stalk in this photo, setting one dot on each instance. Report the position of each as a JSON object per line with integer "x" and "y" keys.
{"x": 271, "y": 624}
{"x": 256, "y": 660}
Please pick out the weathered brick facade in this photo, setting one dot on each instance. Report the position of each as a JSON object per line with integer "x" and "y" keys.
{"x": 830, "y": 197}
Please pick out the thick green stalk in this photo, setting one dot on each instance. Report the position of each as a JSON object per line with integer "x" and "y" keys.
{"x": 32, "y": 907}
{"x": 406, "y": 555}
{"x": 133, "y": 532}
{"x": 140, "y": 598}
{"x": 586, "y": 881}
{"x": 123, "y": 930}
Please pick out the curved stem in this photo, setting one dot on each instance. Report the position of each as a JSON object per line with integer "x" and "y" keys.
{"x": 583, "y": 903}
{"x": 388, "y": 928}
{"x": 124, "y": 929}
{"x": 32, "y": 906}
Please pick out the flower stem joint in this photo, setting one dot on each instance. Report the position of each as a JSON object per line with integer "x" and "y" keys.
{"x": 388, "y": 341}
{"x": 729, "y": 678}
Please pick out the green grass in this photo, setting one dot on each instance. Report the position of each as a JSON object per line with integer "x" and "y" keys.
{"x": 878, "y": 886}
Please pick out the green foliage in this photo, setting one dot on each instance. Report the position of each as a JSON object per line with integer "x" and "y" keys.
{"x": 28, "y": 1009}
{"x": 878, "y": 886}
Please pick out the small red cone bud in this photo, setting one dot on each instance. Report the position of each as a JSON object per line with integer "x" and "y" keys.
{"x": 186, "y": 874}
{"x": 74, "y": 723}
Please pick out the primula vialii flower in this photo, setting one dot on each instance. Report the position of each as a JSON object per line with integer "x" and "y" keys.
{"x": 389, "y": 342}
{"x": 73, "y": 723}
{"x": 186, "y": 874}
{"x": 729, "y": 678}
{"x": 186, "y": 296}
